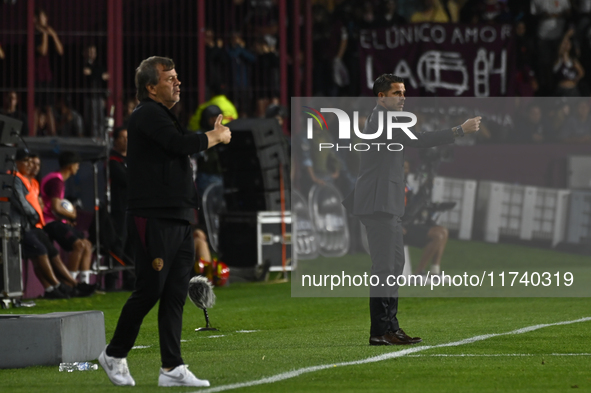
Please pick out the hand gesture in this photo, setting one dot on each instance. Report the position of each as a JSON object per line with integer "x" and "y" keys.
{"x": 472, "y": 125}
{"x": 223, "y": 132}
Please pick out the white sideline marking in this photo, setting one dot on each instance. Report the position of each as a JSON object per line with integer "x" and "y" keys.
{"x": 141, "y": 347}
{"x": 498, "y": 355}
{"x": 247, "y": 331}
{"x": 386, "y": 356}
{"x": 218, "y": 336}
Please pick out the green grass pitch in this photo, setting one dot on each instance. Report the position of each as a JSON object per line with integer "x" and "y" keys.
{"x": 288, "y": 334}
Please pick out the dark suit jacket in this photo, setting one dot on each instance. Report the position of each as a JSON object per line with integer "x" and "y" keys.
{"x": 380, "y": 183}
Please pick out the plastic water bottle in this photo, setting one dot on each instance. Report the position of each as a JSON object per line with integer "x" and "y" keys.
{"x": 78, "y": 366}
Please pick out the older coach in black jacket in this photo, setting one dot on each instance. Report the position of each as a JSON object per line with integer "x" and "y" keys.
{"x": 378, "y": 201}
{"x": 161, "y": 207}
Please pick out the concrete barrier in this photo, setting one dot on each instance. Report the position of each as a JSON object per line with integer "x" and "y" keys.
{"x": 50, "y": 339}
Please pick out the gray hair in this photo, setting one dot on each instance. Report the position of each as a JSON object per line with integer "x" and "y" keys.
{"x": 147, "y": 74}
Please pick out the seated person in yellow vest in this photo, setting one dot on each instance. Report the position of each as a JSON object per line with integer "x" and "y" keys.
{"x": 59, "y": 220}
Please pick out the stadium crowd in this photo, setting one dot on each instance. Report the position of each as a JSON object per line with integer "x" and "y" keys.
{"x": 552, "y": 45}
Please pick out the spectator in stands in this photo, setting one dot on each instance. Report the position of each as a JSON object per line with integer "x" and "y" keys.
{"x": 266, "y": 78}
{"x": 43, "y": 125}
{"x": 68, "y": 121}
{"x": 9, "y": 108}
{"x": 582, "y": 12}
{"x": 44, "y": 34}
{"x": 525, "y": 78}
{"x": 426, "y": 235}
{"x": 493, "y": 11}
{"x": 366, "y": 13}
{"x": 567, "y": 68}
{"x": 94, "y": 81}
{"x": 552, "y": 17}
{"x": 59, "y": 221}
{"x": 240, "y": 61}
{"x": 329, "y": 44}
{"x": 531, "y": 127}
{"x": 387, "y": 15}
{"x": 217, "y": 59}
{"x": 218, "y": 99}
{"x": 577, "y": 127}
{"x": 433, "y": 11}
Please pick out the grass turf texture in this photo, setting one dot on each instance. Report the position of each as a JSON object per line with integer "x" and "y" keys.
{"x": 294, "y": 333}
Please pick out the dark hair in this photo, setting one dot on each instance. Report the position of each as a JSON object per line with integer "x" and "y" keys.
{"x": 22, "y": 154}
{"x": 67, "y": 158}
{"x": 208, "y": 113}
{"x": 274, "y": 111}
{"x": 117, "y": 131}
{"x": 384, "y": 82}
{"x": 147, "y": 74}
{"x": 34, "y": 155}
{"x": 39, "y": 11}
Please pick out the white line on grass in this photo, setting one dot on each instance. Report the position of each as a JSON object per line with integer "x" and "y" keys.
{"x": 386, "y": 356}
{"x": 445, "y": 355}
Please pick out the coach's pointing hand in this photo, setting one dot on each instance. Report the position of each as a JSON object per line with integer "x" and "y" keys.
{"x": 219, "y": 134}
{"x": 471, "y": 125}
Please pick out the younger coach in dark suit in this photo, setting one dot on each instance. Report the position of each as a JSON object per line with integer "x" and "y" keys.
{"x": 378, "y": 201}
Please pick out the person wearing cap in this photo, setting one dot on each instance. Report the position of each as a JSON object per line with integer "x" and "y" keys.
{"x": 60, "y": 229}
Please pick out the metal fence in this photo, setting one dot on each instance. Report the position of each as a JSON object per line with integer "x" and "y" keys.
{"x": 260, "y": 50}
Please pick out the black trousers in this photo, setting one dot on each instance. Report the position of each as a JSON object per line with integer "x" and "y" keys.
{"x": 164, "y": 259}
{"x": 386, "y": 248}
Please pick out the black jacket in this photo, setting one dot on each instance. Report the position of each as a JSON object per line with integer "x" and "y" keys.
{"x": 380, "y": 183}
{"x": 159, "y": 171}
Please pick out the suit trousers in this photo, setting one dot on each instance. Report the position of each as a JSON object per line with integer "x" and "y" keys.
{"x": 386, "y": 248}
{"x": 164, "y": 259}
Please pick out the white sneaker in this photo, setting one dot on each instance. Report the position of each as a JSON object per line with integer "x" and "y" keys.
{"x": 180, "y": 376}
{"x": 116, "y": 369}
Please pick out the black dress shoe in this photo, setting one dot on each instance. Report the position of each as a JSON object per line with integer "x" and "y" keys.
{"x": 403, "y": 336}
{"x": 394, "y": 338}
